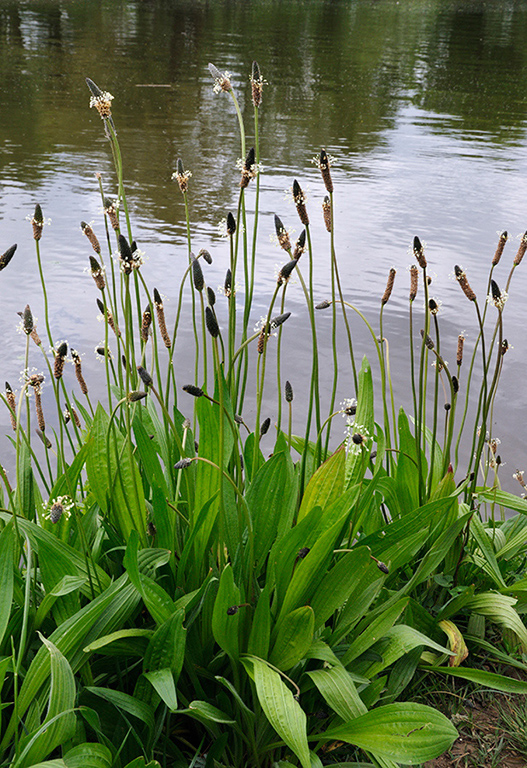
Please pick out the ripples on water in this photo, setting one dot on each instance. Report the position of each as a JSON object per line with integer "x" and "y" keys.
{"x": 422, "y": 104}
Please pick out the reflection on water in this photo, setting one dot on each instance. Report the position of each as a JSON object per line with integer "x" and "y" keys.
{"x": 423, "y": 105}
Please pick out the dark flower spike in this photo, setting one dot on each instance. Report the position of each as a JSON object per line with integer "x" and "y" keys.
{"x": 455, "y": 384}
{"x": 109, "y": 317}
{"x": 227, "y": 285}
{"x": 193, "y": 390}
{"x": 60, "y": 359}
{"x": 427, "y": 339}
{"x": 288, "y": 392}
{"x": 125, "y": 253}
{"x": 285, "y": 272}
{"x": 183, "y": 463}
{"x": 27, "y": 320}
{"x": 249, "y": 170}
{"x": 146, "y": 322}
{"x": 323, "y": 304}
{"x": 134, "y": 397}
{"x": 282, "y": 234}
{"x": 44, "y": 438}
{"x": 204, "y": 254}
{"x": 231, "y": 224}
{"x": 211, "y": 296}
{"x": 144, "y": 376}
{"x": 264, "y": 429}
{"x": 496, "y": 293}
{"x": 38, "y": 222}
{"x": 419, "y": 253}
{"x": 97, "y": 273}
{"x": 279, "y": 320}
{"x": 11, "y": 401}
{"x": 300, "y": 202}
{"x": 324, "y": 164}
{"x": 257, "y": 84}
{"x": 300, "y": 245}
{"x": 181, "y": 176}
{"x": 211, "y": 323}
{"x": 197, "y": 274}
{"x": 6, "y": 257}
{"x": 250, "y": 159}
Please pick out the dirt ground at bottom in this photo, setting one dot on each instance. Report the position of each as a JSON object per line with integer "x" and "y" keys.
{"x": 485, "y": 738}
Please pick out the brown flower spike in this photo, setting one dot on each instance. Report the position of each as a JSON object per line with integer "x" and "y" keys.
{"x": 90, "y": 234}
{"x": 300, "y": 202}
{"x": 389, "y": 287}
{"x": 461, "y": 277}
{"x": 160, "y": 312}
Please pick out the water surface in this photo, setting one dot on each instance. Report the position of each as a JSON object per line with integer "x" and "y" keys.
{"x": 422, "y": 104}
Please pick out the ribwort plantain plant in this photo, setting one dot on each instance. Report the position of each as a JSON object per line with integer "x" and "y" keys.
{"x": 172, "y": 596}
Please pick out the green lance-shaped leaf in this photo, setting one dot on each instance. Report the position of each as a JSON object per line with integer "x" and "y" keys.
{"x": 57, "y": 549}
{"x": 126, "y": 703}
{"x": 339, "y": 691}
{"x": 164, "y": 658}
{"x": 225, "y": 620}
{"x": 364, "y": 418}
{"x": 157, "y": 601}
{"x": 485, "y": 679}
{"x": 294, "y": 638}
{"x": 60, "y": 718}
{"x": 374, "y": 631}
{"x": 404, "y": 732}
{"x": 499, "y": 608}
{"x": 260, "y": 635}
{"x": 7, "y": 544}
{"x": 114, "y": 477}
{"x": 491, "y": 566}
{"x": 339, "y": 583}
{"x": 271, "y": 499}
{"x": 102, "y": 615}
{"x": 309, "y": 572}
{"x": 326, "y": 485}
{"x": 281, "y": 709}
{"x": 88, "y": 755}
